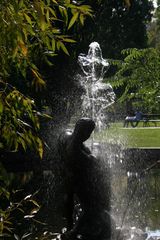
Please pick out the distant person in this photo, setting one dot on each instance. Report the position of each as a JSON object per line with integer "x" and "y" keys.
{"x": 133, "y": 120}
{"x": 84, "y": 178}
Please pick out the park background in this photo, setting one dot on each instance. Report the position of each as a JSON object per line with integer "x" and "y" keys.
{"x": 39, "y": 93}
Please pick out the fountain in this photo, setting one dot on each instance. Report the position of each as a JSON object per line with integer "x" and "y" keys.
{"x": 85, "y": 174}
{"x": 97, "y": 95}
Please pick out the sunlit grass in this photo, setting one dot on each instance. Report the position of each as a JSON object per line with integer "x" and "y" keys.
{"x": 132, "y": 137}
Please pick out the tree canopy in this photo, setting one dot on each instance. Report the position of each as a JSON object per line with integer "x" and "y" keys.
{"x": 31, "y": 32}
{"x": 117, "y": 26}
{"x": 139, "y": 75}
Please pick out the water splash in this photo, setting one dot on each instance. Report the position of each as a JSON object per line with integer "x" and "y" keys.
{"x": 128, "y": 204}
{"x": 97, "y": 95}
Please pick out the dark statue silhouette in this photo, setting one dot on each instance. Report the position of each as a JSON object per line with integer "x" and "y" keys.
{"x": 84, "y": 179}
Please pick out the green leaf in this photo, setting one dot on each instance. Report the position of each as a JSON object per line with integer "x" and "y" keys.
{"x": 53, "y": 12}
{"x": 53, "y": 44}
{"x": 47, "y": 15}
{"x": 69, "y": 40}
{"x": 34, "y": 202}
{"x": 40, "y": 147}
{"x": 22, "y": 142}
{"x": 67, "y": 1}
{"x": 21, "y": 3}
{"x": 29, "y": 216}
{"x": 63, "y": 47}
{"x": 28, "y": 197}
{"x": 73, "y": 20}
{"x": 1, "y": 107}
{"x": 82, "y": 19}
{"x": 56, "y": 31}
{"x": 43, "y": 24}
{"x": 28, "y": 19}
{"x": 30, "y": 30}
{"x": 20, "y": 209}
{"x": 54, "y": 1}
{"x": 66, "y": 15}
{"x": 4, "y": 192}
{"x": 47, "y": 116}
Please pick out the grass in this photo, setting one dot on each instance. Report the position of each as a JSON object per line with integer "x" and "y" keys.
{"x": 140, "y": 136}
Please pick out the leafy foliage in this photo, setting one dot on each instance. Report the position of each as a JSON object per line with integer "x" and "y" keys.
{"x": 15, "y": 212}
{"x": 139, "y": 76}
{"x": 16, "y": 111}
{"x": 31, "y": 32}
{"x": 27, "y": 27}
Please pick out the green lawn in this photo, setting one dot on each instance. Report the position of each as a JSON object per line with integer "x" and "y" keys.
{"x": 132, "y": 137}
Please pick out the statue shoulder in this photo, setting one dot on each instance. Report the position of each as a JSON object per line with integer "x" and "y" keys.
{"x": 65, "y": 135}
{"x": 63, "y": 139}
{"x": 86, "y": 149}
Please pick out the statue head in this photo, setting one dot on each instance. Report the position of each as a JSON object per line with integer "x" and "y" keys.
{"x": 83, "y": 129}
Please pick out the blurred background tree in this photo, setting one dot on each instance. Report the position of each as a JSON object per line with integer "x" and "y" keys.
{"x": 139, "y": 77}
{"x": 137, "y": 80}
{"x": 154, "y": 28}
{"x": 117, "y": 26}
